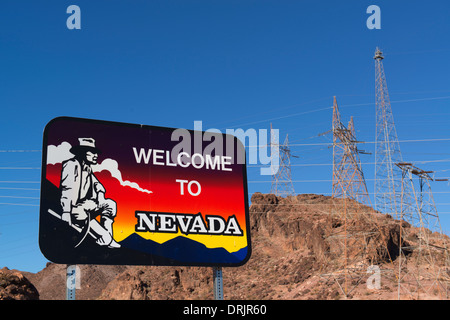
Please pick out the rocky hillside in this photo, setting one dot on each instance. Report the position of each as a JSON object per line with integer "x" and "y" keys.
{"x": 15, "y": 286}
{"x": 298, "y": 252}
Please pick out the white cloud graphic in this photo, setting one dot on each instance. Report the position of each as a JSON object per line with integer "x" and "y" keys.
{"x": 60, "y": 153}
{"x": 113, "y": 167}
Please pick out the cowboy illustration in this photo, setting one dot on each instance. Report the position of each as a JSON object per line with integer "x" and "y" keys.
{"x": 83, "y": 196}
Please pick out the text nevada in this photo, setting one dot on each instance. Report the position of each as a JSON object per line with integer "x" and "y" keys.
{"x": 186, "y": 223}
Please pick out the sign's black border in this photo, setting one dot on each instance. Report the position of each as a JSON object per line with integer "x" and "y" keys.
{"x": 149, "y": 127}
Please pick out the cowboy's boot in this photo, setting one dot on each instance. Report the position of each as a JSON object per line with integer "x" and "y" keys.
{"x": 107, "y": 224}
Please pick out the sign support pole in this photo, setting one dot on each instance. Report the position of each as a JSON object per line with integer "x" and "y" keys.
{"x": 70, "y": 282}
{"x": 218, "y": 283}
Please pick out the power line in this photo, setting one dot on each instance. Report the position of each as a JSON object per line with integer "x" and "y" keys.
{"x": 312, "y": 180}
{"x": 343, "y": 106}
{"x": 15, "y": 151}
{"x": 330, "y": 164}
{"x": 329, "y": 193}
{"x": 30, "y": 189}
{"x": 20, "y": 168}
{"x": 362, "y": 142}
{"x": 19, "y": 197}
{"x": 310, "y": 204}
{"x": 19, "y": 204}
{"x": 290, "y": 144}
{"x": 20, "y": 182}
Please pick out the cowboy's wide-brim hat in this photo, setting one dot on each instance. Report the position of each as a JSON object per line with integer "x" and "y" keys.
{"x": 86, "y": 144}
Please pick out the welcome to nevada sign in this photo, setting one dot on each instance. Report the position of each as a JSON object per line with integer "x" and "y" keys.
{"x": 116, "y": 193}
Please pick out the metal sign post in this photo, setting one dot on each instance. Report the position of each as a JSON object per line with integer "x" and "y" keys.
{"x": 218, "y": 283}
{"x": 71, "y": 277}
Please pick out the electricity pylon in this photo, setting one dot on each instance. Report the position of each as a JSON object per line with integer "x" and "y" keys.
{"x": 388, "y": 177}
{"x": 422, "y": 261}
{"x": 348, "y": 186}
{"x": 427, "y": 272}
{"x": 348, "y": 177}
{"x": 282, "y": 180}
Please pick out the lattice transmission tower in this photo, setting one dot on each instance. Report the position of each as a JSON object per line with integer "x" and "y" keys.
{"x": 427, "y": 272}
{"x": 351, "y": 257}
{"x": 282, "y": 179}
{"x": 348, "y": 177}
{"x": 403, "y": 191}
{"x": 388, "y": 177}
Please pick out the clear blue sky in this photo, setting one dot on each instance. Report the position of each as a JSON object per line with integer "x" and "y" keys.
{"x": 231, "y": 64}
